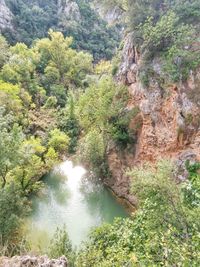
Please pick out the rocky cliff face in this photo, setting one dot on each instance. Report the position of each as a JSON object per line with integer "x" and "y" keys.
{"x": 111, "y": 16}
{"x": 170, "y": 122}
{"x": 6, "y": 16}
{"x": 68, "y": 11}
{"x": 32, "y": 261}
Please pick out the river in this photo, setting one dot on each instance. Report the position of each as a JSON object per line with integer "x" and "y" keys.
{"x": 71, "y": 199}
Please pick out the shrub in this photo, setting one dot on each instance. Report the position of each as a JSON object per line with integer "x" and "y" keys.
{"x": 162, "y": 232}
{"x": 12, "y": 210}
{"x": 58, "y": 140}
{"x": 61, "y": 245}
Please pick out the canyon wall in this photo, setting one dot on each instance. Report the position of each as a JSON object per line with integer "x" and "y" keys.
{"x": 6, "y": 16}
{"x": 169, "y": 121}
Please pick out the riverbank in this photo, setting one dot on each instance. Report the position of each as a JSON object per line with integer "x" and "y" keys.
{"x": 122, "y": 200}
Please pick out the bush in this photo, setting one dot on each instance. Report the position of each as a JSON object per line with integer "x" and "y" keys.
{"x": 92, "y": 149}
{"x": 60, "y": 245}
{"x": 69, "y": 124}
{"x": 13, "y": 208}
{"x": 59, "y": 141}
{"x": 162, "y": 232}
{"x": 100, "y": 112}
{"x": 168, "y": 30}
{"x": 120, "y": 132}
{"x": 191, "y": 187}
{"x": 51, "y": 102}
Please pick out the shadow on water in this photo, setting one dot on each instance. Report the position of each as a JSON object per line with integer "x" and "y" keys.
{"x": 72, "y": 199}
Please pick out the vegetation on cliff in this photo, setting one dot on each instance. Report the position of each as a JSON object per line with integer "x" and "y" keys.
{"x": 54, "y": 101}
{"x": 32, "y": 20}
{"x": 166, "y": 31}
{"x": 163, "y": 230}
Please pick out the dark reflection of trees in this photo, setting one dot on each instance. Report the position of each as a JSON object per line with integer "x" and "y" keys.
{"x": 54, "y": 186}
{"x": 61, "y": 192}
{"x": 100, "y": 202}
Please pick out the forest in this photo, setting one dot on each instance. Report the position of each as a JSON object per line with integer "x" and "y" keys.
{"x": 33, "y": 19}
{"x": 60, "y": 96}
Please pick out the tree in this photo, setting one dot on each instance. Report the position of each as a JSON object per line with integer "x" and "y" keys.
{"x": 121, "y": 4}
{"x": 103, "y": 67}
{"x": 191, "y": 187}
{"x": 11, "y": 137}
{"x": 162, "y": 231}
{"x": 33, "y": 19}
{"x": 97, "y": 105}
{"x": 51, "y": 158}
{"x": 99, "y": 110}
{"x": 61, "y": 245}
{"x": 10, "y": 97}
{"x": 159, "y": 29}
{"x": 58, "y": 140}
{"x": 63, "y": 66}
{"x": 31, "y": 166}
{"x": 92, "y": 149}
{"x": 12, "y": 210}
{"x": 28, "y": 173}
{"x": 4, "y": 48}
{"x": 21, "y": 67}
{"x": 69, "y": 123}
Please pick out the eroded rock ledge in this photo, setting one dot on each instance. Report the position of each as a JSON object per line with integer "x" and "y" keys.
{"x": 33, "y": 261}
{"x": 168, "y": 118}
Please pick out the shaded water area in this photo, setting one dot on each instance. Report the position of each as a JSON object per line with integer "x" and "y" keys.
{"x": 73, "y": 200}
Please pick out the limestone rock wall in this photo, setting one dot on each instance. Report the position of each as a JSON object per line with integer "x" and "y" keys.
{"x": 170, "y": 120}
{"x": 111, "y": 16}
{"x": 69, "y": 10}
{"x": 6, "y": 16}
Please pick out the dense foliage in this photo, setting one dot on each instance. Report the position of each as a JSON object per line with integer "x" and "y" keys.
{"x": 61, "y": 245}
{"x": 161, "y": 31}
{"x": 103, "y": 118}
{"x": 55, "y": 102}
{"x": 164, "y": 31}
{"x": 34, "y": 87}
{"x": 35, "y": 83}
{"x": 12, "y": 208}
{"x": 52, "y": 99}
{"x": 33, "y": 19}
{"x": 163, "y": 231}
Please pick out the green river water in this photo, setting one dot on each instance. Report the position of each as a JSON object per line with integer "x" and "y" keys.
{"x": 73, "y": 200}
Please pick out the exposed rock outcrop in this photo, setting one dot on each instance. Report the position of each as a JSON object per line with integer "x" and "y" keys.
{"x": 6, "y": 16}
{"x": 32, "y": 261}
{"x": 69, "y": 10}
{"x": 170, "y": 125}
{"x": 111, "y": 16}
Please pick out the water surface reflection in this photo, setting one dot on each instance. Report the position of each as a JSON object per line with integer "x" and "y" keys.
{"x": 71, "y": 199}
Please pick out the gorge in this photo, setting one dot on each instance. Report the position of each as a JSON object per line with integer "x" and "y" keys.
{"x": 111, "y": 88}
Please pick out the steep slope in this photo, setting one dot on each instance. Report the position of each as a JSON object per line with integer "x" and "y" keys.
{"x": 6, "y": 16}
{"x": 170, "y": 117}
{"x": 169, "y": 121}
{"x": 160, "y": 66}
{"x": 25, "y": 21}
